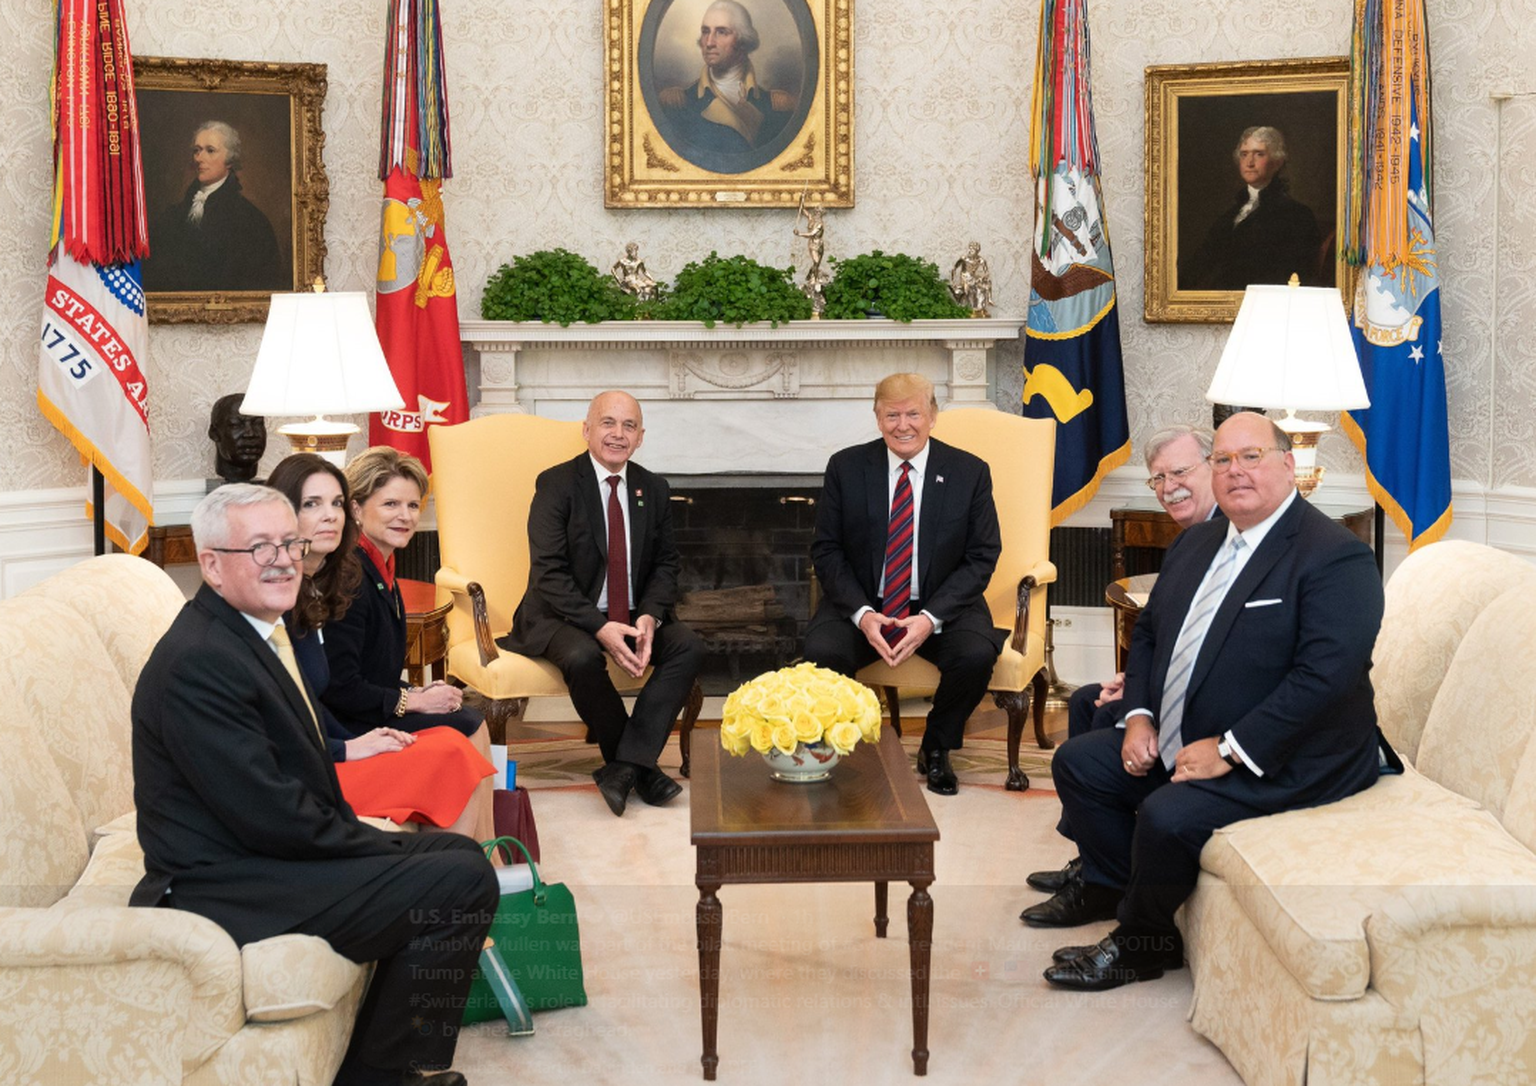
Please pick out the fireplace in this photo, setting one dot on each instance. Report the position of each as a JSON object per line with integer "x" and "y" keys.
{"x": 745, "y": 543}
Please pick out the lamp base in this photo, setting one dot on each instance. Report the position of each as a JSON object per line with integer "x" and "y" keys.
{"x": 1304, "y": 434}
{"x": 320, "y": 436}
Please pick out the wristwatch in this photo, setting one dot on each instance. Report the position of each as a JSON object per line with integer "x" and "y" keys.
{"x": 1224, "y": 748}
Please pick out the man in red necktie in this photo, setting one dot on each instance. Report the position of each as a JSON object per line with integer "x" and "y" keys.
{"x": 601, "y": 585}
{"x": 906, "y": 541}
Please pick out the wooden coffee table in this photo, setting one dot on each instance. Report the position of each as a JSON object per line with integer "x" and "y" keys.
{"x": 869, "y": 823}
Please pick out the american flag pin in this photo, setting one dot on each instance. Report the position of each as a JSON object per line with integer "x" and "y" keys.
{"x": 938, "y": 478}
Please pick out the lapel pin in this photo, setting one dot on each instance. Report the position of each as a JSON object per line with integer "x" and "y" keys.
{"x": 938, "y": 478}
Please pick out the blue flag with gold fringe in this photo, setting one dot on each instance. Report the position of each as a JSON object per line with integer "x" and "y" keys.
{"x": 1072, "y": 360}
{"x": 1404, "y": 435}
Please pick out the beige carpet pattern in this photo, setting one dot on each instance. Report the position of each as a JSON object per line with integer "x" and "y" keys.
{"x": 807, "y": 991}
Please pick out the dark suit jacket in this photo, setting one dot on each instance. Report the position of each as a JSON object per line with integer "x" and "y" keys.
{"x": 958, "y": 540}
{"x": 238, "y": 804}
{"x": 1286, "y": 663}
{"x": 568, "y": 551}
{"x": 1280, "y": 236}
{"x": 366, "y": 652}
{"x": 234, "y": 248}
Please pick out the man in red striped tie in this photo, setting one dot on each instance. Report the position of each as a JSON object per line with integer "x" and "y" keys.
{"x": 906, "y": 541}
{"x": 602, "y": 583}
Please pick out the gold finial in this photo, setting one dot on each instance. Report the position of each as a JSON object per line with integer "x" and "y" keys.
{"x": 318, "y": 286}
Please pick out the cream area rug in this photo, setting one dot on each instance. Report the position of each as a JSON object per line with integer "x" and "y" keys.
{"x": 807, "y": 992}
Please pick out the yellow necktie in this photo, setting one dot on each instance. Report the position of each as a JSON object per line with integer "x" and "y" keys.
{"x": 284, "y": 648}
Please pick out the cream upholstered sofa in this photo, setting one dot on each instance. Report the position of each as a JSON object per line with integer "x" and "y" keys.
{"x": 92, "y": 991}
{"x": 1391, "y": 938}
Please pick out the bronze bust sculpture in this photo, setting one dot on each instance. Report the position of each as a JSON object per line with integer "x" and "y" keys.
{"x": 238, "y": 440}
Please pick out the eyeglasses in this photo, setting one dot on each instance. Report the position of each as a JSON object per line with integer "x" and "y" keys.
{"x": 1177, "y": 476}
{"x": 1248, "y": 458}
{"x": 265, "y": 554}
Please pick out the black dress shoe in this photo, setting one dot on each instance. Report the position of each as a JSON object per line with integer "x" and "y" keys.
{"x": 1171, "y": 952}
{"x": 1049, "y": 882}
{"x": 655, "y": 787}
{"x": 1075, "y": 904}
{"x": 941, "y": 778}
{"x": 1119, "y": 958}
{"x": 433, "y": 1078}
{"x": 614, "y": 783}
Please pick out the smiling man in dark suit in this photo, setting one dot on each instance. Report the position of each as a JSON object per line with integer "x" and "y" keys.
{"x": 242, "y": 820}
{"x": 906, "y": 541}
{"x": 1248, "y": 692}
{"x": 601, "y": 585}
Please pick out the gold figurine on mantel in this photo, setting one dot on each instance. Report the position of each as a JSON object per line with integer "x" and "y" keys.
{"x": 629, "y": 272}
{"x": 970, "y": 281}
{"x": 816, "y": 279}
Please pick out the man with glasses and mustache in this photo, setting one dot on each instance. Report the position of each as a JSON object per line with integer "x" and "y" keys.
{"x": 242, "y": 821}
{"x": 1181, "y": 479}
{"x": 1248, "y": 692}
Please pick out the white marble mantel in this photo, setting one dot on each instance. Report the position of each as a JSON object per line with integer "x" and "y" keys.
{"x": 753, "y": 399}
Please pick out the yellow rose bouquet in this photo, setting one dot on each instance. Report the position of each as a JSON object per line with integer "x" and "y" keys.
{"x": 779, "y": 710}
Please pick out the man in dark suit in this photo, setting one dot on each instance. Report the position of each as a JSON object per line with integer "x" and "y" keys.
{"x": 242, "y": 820}
{"x": 1248, "y": 692}
{"x": 1181, "y": 478}
{"x": 601, "y": 585}
{"x": 906, "y": 541}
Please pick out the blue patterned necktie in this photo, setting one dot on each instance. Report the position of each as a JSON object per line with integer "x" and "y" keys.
{"x": 1187, "y": 649}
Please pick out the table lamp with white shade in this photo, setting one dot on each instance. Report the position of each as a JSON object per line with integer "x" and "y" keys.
{"x": 320, "y": 355}
{"x": 1291, "y": 349}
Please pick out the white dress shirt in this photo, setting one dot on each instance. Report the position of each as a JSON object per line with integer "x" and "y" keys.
{"x": 629, "y": 558}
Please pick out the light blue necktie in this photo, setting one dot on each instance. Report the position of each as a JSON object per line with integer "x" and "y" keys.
{"x": 1187, "y": 650}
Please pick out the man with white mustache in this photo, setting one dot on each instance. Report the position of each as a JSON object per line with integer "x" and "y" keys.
{"x": 1181, "y": 479}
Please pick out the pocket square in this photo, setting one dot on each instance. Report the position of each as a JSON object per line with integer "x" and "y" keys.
{"x": 1261, "y": 603}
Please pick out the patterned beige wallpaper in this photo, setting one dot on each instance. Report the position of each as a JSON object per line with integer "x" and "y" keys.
{"x": 942, "y": 104}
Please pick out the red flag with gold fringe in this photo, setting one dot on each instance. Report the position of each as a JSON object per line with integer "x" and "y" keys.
{"x": 417, "y": 305}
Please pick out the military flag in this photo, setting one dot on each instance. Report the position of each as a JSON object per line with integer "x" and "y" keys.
{"x": 417, "y": 307}
{"x": 1389, "y": 236}
{"x": 1072, "y": 365}
{"x": 90, "y": 381}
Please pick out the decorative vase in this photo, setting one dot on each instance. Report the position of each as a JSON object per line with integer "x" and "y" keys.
{"x": 810, "y": 762}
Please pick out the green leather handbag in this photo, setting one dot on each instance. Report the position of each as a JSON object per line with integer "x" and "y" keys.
{"x": 536, "y": 936}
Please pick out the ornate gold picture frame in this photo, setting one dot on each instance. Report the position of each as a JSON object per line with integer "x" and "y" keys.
{"x": 776, "y": 128}
{"x": 253, "y": 130}
{"x": 1207, "y": 236}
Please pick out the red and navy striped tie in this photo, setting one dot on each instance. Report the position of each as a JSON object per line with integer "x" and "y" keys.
{"x": 898, "y": 557}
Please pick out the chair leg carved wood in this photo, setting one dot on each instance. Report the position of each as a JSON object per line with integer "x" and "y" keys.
{"x": 691, "y": 709}
{"x": 1014, "y": 704}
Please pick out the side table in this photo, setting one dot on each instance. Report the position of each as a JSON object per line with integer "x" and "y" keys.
{"x": 1127, "y": 610}
{"x": 171, "y": 545}
{"x": 426, "y": 630}
{"x": 870, "y": 823}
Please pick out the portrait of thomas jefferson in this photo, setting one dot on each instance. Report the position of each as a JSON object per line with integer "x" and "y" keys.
{"x": 1265, "y": 235}
{"x": 728, "y": 86}
{"x": 1257, "y": 189}
{"x": 214, "y": 237}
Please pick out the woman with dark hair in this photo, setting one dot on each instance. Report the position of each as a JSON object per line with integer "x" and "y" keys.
{"x": 435, "y": 775}
{"x": 366, "y": 646}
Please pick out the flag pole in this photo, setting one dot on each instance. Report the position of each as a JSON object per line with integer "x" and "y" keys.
{"x": 99, "y": 508}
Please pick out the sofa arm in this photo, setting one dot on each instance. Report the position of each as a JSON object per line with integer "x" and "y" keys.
{"x": 1430, "y": 944}
{"x": 106, "y": 987}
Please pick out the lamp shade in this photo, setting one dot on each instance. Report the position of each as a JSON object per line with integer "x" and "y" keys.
{"x": 319, "y": 355}
{"x": 1290, "y": 348}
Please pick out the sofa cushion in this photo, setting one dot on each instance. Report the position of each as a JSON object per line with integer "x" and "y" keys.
{"x": 1484, "y": 715}
{"x": 115, "y": 868}
{"x": 129, "y": 602}
{"x": 1309, "y": 879}
{"x": 1432, "y": 600}
{"x": 289, "y": 976}
{"x": 42, "y": 837}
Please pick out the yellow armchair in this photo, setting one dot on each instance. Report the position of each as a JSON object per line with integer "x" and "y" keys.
{"x": 483, "y": 475}
{"x": 1022, "y": 455}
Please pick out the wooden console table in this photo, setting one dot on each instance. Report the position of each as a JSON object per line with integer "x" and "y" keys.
{"x": 869, "y": 823}
{"x": 171, "y": 545}
{"x": 426, "y": 630}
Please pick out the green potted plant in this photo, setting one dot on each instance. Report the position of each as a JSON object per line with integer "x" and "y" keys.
{"x": 903, "y": 288}
{"x": 736, "y": 290}
{"x": 554, "y": 285}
